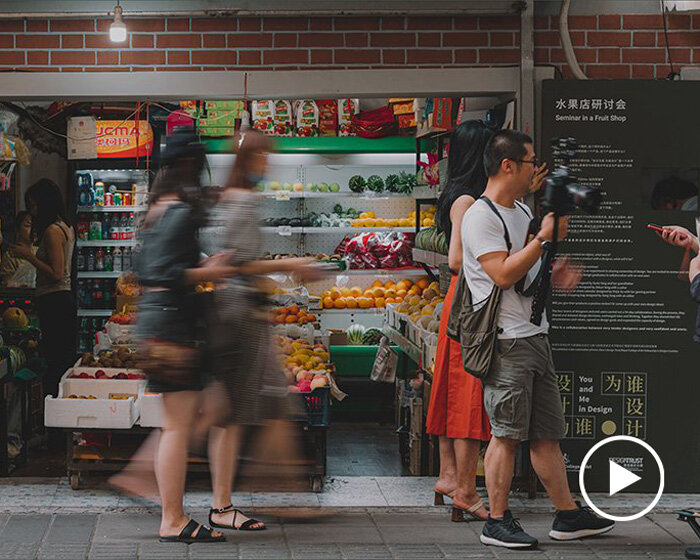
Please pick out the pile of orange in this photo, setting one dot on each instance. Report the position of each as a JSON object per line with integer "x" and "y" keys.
{"x": 293, "y": 315}
{"x": 376, "y": 295}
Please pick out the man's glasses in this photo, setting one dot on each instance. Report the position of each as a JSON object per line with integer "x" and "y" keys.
{"x": 533, "y": 161}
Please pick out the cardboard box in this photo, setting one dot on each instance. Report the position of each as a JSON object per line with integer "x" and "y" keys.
{"x": 337, "y": 338}
{"x": 151, "y": 410}
{"x": 217, "y": 131}
{"x": 82, "y": 142}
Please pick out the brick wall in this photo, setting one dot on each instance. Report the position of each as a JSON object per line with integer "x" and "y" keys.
{"x": 608, "y": 46}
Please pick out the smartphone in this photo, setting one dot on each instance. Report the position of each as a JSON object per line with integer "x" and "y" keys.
{"x": 655, "y": 228}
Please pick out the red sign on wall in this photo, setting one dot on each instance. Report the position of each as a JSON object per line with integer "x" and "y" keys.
{"x": 124, "y": 139}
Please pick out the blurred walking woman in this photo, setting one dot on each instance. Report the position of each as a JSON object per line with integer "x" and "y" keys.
{"x": 168, "y": 268}
{"x": 54, "y": 299}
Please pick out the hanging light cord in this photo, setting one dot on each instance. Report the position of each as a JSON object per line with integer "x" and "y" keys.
{"x": 664, "y": 17}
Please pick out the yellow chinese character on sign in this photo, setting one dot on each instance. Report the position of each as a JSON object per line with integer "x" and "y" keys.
{"x": 634, "y": 428}
{"x": 583, "y": 426}
{"x": 612, "y": 383}
{"x": 565, "y": 402}
{"x": 635, "y": 384}
{"x": 634, "y": 406}
{"x": 564, "y": 382}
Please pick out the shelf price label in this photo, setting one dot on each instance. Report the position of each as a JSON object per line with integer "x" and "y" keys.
{"x": 284, "y": 230}
{"x": 282, "y": 195}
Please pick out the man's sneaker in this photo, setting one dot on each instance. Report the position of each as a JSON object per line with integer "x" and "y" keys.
{"x": 506, "y": 532}
{"x": 578, "y": 524}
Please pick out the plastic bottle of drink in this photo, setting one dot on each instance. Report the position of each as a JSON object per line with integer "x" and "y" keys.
{"x": 106, "y": 224}
{"x": 126, "y": 259}
{"x": 114, "y": 228}
{"x": 117, "y": 260}
{"x": 87, "y": 295}
{"x": 83, "y": 227}
{"x": 100, "y": 260}
{"x": 107, "y": 302}
{"x": 124, "y": 227}
{"x": 90, "y": 260}
{"x": 109, "y": 263}
{"x": 131, "y": 227}
{"x": 95, "y": 228}
{"x": 81, "y": 260}
{"x": 97, "y": 295}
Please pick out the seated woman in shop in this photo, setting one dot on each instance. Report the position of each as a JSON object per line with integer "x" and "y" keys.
{"x": 16, "y": 271}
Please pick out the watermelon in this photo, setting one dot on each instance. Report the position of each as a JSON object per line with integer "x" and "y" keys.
{"x": 357, "y": 183}
{"x": 371, "y": 337}
{"x": 393, "y": 183}
{"x": 375, "y": 183}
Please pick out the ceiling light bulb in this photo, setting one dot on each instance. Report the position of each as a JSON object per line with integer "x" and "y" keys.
{"x": 117, "y": 31}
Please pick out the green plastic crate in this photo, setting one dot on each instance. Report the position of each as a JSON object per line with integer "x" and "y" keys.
{"x": 354, "y": 361}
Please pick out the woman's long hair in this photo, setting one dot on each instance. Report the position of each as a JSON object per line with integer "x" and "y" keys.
{"x": 50, "y": 207}
{"x": 247, "y": 145}
{"x": 466, "y": 173}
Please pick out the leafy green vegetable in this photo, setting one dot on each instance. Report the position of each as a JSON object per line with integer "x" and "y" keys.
{"x": 375, "y": 183}
{"x": 357, "y": 183}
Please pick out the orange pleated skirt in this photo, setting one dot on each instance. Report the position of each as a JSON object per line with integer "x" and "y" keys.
{"x": 456, "y": 408}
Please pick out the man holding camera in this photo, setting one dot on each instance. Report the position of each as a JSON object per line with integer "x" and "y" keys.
{"x": 521, "y": 392}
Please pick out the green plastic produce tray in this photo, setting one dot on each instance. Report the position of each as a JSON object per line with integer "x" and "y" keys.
{"x": 354, "y": 361}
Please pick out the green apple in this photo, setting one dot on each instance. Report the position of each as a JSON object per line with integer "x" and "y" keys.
{"x": 312, "y": 187}
{"x": 273, "y": 186}
{"x": 298, "y": 187}
{"x": 287, "y": 187}
{"x": 323, "y": 187}
{"x": 335, "y": 187}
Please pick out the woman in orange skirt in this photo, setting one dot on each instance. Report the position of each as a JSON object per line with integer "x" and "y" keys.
{"x": 456, "y": 410}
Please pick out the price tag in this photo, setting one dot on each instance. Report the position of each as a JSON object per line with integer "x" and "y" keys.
{"x": 284, "y": 230}
{"x": 282, "y": 195}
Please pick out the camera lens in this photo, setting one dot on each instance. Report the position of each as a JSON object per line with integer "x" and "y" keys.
{"x": 586, "y": 198}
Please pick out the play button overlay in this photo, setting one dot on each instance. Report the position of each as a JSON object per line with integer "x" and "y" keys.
{"x": 620, "y": 477}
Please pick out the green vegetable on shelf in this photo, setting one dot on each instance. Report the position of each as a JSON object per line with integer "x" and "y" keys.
{"x": 371, "y": 337}
{"x": 355, "y": 334}
{"x": 338, "y": 209}
{"x": 393, "y": 183}
{"x": 357, "y": 184}
{"x": 375, "y": 183}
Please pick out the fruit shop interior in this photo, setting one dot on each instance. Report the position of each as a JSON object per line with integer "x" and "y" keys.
{"x": 365, "y": 206}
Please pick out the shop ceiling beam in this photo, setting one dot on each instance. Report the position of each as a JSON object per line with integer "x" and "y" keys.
{"x": 13, "y": 9}
{"x": 527, "y": 69}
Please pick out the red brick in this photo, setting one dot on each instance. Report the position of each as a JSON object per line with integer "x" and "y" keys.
{"x": 249, "y": 24}
{"x": 249, "y": 57}
{"x": 142, "y": 25}
{"x": 609, "y": 22}
{"x": 142, "y": 69}
{"x": 249, "y": 40}
{"x": 319, "y": 56}
{"x": 12, "y": 26}
{"x": 644, "y": 39}
{"x": 541, "y": 55}
{"x": 141, "y": 41}
{"x": 105, "y": 58}
{"x": 679, "y": 21}
{"x": 609, "y": 38}
{"x": 170, "y": 68}
{"x": 581, "y": 22}
{"x": 40, "y": 69}
{"x": 287, "y": 56}
{"x": 393, "y": 39}
{"x": 394, "y": 56}
{"x": 541, "y": 22}
{"x": 499, "y": 56}
{"x": 356, "y": 39}
{"x": 142, "y": 58}
{"x": 37, "y": 57}
{"x": 499, "y": 22}
{"x": 429, "y": 40}
{"x": 428, "y": 56}
{"x": 584, "y": 56}
{"x": 213, "y": 40}
{"x": 639, "y": 21}
{"x": 501, "y": 39}
{"x": 607, "y": 71}
{"x": 547, "y": 38}
{"x": 34, "y": 25}
{"x": 393, "y": 23}
{"x": 680, "y": 39}
{"x": 7, "y": 41}
{"x": 696, "y": 56}
{"x": 424, "y": 23}
{"x": 465, "y": 56}
{"x": 73, "y": 25}
{"x": 67, "y": 58}
{"x": 663, "y": 71}
{"x": 466, "y": 22}
{"x": 321, "y": 24}
{"x": 179, "y": 41}
{"x": 643, "y": 71}
{"x": 178, "y": 24}
{"x": 106, "y": 69}
{"x": 461, "y": 39}
{"x": 354, "y": 56}
{"x": 286, "y": 24}
{"x": 38, "y": 41}
{"x": 214, "y": 24}
{"x": 214, "y": 57}
{"x": 178, "y": 57}
{"x": 609, "y": 56}
{"x": 285, "y": 40}
{"x": 72, "y": 41}
{"x": 321, "y": 40}
{"x": 100, "y": 41}
{"x": 680, "y": 56}
{"x": 72, "y": 69}
{"x": 643, "y": 56}
{"x": 696, "y": 21}
{"x": 356, "y": 23}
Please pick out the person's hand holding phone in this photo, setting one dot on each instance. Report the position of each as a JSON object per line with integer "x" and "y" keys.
{"x": 677, "y": 235}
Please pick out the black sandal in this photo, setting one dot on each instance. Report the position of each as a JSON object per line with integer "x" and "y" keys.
{"x": 203, "y": 535}
{"x": 246, "y": 526}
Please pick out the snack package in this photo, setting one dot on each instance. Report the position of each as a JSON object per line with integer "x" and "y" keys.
{"x": 284, "y": 118}
{"x": 346, "y": 109}
{"x": 307, "y": 118}
{"x": 328, "y": 123}
{"x": 263, "y": 116}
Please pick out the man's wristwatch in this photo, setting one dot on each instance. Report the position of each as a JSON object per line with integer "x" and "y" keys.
{"x": 544, "y": 244}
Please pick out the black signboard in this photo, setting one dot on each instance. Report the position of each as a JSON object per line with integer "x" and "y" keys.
{"x": 623, "y": 341}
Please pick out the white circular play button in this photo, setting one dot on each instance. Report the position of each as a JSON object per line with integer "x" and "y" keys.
{"x": 620, "y": 478}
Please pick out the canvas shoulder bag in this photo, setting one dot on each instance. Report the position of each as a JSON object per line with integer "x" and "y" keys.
{"x": 475, "y": 325}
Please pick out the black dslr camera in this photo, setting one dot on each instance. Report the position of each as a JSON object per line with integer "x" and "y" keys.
{"x": 562, "y": 192}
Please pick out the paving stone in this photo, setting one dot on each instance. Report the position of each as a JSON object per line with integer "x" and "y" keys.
{"x": 263, "y": 551}
{"x": 71, "y": 528}
{"x": 63, "y": 551}
{"x": 416, "y": 551}
{"x": 214, "y": 551}
{"x": 15, "y": 550}
{"x": 159, "y": 550}
{"x": 123, "y": 528}
{"x": 25, "y": 529}
{"x": 362, "y": 551}
{"x": 465, "y": 551}
{"x": 113, "y": 551}
{"x": 311, "y": 551}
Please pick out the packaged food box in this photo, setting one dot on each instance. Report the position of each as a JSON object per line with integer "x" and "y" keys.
{"x": 217, "y": 122}
{"x": 218, "y": 131}
{"x": 284, "y": 118}
{"x": 307, "y": 118}
{"x": 328, "y": 117}
{"x": 236, "y": 106}
{"x": 151, "y": 410}
{"x": 346, "y": 109}
{"x": 262, "y": 114}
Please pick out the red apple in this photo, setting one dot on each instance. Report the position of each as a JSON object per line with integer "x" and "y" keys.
{"x": 121, "y": 375}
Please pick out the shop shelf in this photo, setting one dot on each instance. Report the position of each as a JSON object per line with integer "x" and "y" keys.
{"x": 355, "y": 311}
{"x": 142, "y": 208}
{"x": 327, "y": 145}
{"x": 108, "y": 243}
{"x": 95, "y": 312}
{"x": 430, "y": 258}
{"x": 287, "y": 195}
{"x": 96, "y": 274}
{"x": 384, "y": 271}
{"x": 409, "y": 348}
{"x": 286, "y": 231}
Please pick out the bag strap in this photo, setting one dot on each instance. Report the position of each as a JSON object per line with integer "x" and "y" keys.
{"x": 506, "y": 236}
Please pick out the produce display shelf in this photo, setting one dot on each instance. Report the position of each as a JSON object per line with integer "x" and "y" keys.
{"x": 408, "y": 347}
{"x": 383, "y": 272}
{"x": 142, "y": 208}
{"x": 430, "y": 258}
{"x": 287, "y": 230}
{"x": 108, "y": 243}
{"x": 289, "y": 195}
{"x": 353, "y": 311}
{"x": 326, "y": 145}
{"x": 96, "y": 274}
{"x": 95, "y": 312}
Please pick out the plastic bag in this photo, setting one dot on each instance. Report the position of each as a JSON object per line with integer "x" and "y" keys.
{"x": 384, "y": 370}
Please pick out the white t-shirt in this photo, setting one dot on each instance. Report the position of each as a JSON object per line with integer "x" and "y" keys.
{"x": 482, "y": 233}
